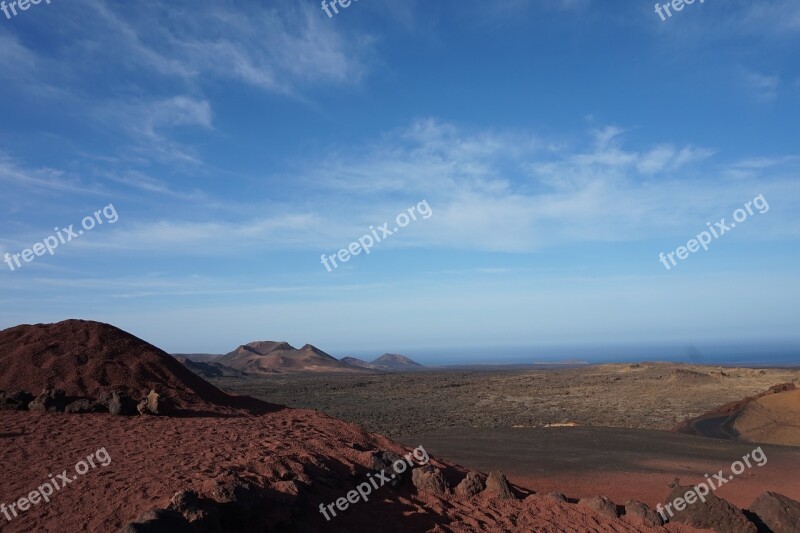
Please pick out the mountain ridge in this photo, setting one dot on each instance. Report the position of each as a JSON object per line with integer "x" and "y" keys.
{"x": 278, "y": 357}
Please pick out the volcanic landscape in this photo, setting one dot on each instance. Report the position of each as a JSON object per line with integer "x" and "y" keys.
{"x": 559, "y": 449}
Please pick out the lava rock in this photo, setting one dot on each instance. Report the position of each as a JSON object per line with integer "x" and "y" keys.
{"x": 237, "y": 497}
{"x": 641, "y": 514}
{"x": 429, "y": 479}
{"x": 777, "y": 512}
{"x": 471, "y": 485}
{"x": 15, "y": 401}
{"x": 120, "y": 403}
{"x": 159, "y": 521}
{"x": 155, "y": 404}
{"x": 601, "y": 505}
{"x": 49, "y": 400}
{"x": 201, "y": 513}
{"x": 84, "y": 405}
{"x": 383, "y": 461}
{"x": 497, "y": 487}
{"x": 715, "y": 513}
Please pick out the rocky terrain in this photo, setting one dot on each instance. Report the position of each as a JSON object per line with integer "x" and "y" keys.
{"x": 259, "y": 473}
{"x": 646, "y": 395}
{"x": 220, "y": 462}
{"x": 584, "y": 461}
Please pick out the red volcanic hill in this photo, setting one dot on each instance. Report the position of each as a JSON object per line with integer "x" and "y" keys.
{"x": 772, "y": 417}
{"x": 86, "y": 358}
{"x": 273, "y": 357}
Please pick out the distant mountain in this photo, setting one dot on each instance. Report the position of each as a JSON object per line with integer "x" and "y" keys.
{"x": 386, "y": 362}
{"x": 395, "y": 361}
{"x": 312, "y": 350}
{"x": 277, "y": 357}
{"x": 355, "y": 361}
{"x": 272, "y": 357}
{"x": 202, "y": 357}
{"x": 210, "y": 369}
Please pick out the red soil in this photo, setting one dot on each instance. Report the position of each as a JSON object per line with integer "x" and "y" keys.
{"x": 154, "y": 457}
{"x": 649, "y": 483}
{"x": 86, "y": 358}
{"x": 299, "y": 459}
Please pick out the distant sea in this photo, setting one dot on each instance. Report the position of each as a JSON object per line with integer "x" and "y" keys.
{"x": 741, "y": 354}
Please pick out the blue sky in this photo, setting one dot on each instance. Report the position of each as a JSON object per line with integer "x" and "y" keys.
{"x": 560, "y": 145}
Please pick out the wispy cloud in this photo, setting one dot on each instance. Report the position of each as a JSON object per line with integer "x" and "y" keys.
{"x": 148, "y": 184}
{"x": 157, "y": 62}
{"x": 489, "y": 191}
{"x": 151, "y": 124}
{"x": 771, "y": 15}
{"x": 280, "y": 49}
{"x": 16, "y": 176}
{"x": 763, "y": 87}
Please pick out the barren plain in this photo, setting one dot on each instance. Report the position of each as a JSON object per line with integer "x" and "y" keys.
{"x": 645, "y": 395}
{"x": 586, "y": 430}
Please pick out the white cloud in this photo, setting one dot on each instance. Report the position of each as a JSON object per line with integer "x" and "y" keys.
{"x": 143, "y": 69}
{"x": 763, "y": 86}
{"x": 667, "y": 157}
{"x": 15, "y": 175}
{"x": 176, "y": 111}
{"x": 151, "y": 124}
{"x": 278, "y": 49}
{"x": 771, "y": 16}
{"x": 148, "y": 184}
{"x": 490, "y": 191}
